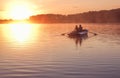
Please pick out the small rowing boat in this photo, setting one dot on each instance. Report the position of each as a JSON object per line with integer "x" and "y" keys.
{"x": 78, "y": 34}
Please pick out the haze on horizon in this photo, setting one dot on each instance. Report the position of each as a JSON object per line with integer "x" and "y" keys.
{"x": 25, "y": 8}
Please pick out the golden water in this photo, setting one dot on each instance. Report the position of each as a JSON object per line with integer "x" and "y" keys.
{"x": 40, "y": 51}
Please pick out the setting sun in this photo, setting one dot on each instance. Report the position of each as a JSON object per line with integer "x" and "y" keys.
{"x": 20, "y": 10}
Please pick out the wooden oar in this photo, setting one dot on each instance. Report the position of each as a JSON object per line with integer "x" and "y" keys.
{"x": 93, "y": 33}
{"x": 63, "y": 34}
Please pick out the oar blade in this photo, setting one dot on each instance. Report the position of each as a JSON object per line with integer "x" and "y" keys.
{"x": 63, "y": 34}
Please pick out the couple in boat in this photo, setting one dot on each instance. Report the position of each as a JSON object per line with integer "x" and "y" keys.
{"x": 78, "y": 29}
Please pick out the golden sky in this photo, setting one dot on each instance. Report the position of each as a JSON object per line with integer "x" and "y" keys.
{"x": 20, "y": 9}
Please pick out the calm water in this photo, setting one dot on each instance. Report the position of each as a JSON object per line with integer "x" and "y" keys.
{"x": 40, "y": 51}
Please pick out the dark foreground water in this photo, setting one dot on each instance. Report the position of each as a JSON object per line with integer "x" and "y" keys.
{"x": 40, "y": 51}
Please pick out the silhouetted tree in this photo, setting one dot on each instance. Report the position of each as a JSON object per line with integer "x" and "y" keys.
{"x": 103, "y": 16}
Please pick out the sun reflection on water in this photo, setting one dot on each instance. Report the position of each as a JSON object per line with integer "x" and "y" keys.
{"x": 20, "y": 33}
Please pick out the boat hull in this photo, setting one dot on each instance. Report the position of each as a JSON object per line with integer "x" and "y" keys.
{"x": 78, "y": 34}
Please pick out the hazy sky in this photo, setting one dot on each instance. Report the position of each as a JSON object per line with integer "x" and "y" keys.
{"x": 58, "y": 6}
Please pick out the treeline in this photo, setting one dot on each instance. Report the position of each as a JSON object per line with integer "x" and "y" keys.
{"x": 103, "y": 16}
{"x": 5, "y": 21}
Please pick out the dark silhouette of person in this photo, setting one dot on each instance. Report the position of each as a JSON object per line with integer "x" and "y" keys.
{"x": 76, "y": 28}
{"x": 80, "y": 28}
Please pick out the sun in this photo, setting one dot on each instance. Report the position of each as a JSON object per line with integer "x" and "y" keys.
{"x": 20, "y": 11}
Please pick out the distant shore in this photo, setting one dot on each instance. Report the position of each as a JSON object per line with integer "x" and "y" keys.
{"x": 103, "y": 16}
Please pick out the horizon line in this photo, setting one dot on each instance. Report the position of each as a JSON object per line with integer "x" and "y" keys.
{"x": 64, "y": 14}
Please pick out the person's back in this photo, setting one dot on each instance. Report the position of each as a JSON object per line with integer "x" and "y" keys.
{"x": 80, "y": 28}
{"x": 76, "y": 28}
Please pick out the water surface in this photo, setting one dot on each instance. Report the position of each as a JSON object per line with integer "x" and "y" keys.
{"x": 40, "y": 51}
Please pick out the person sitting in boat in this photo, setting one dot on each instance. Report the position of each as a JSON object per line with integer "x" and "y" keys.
{"x": 80, "y": 28}
{"x": 76, "y": 28}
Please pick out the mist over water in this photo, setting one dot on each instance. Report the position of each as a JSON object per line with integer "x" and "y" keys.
{"x": 40, "y": 51}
